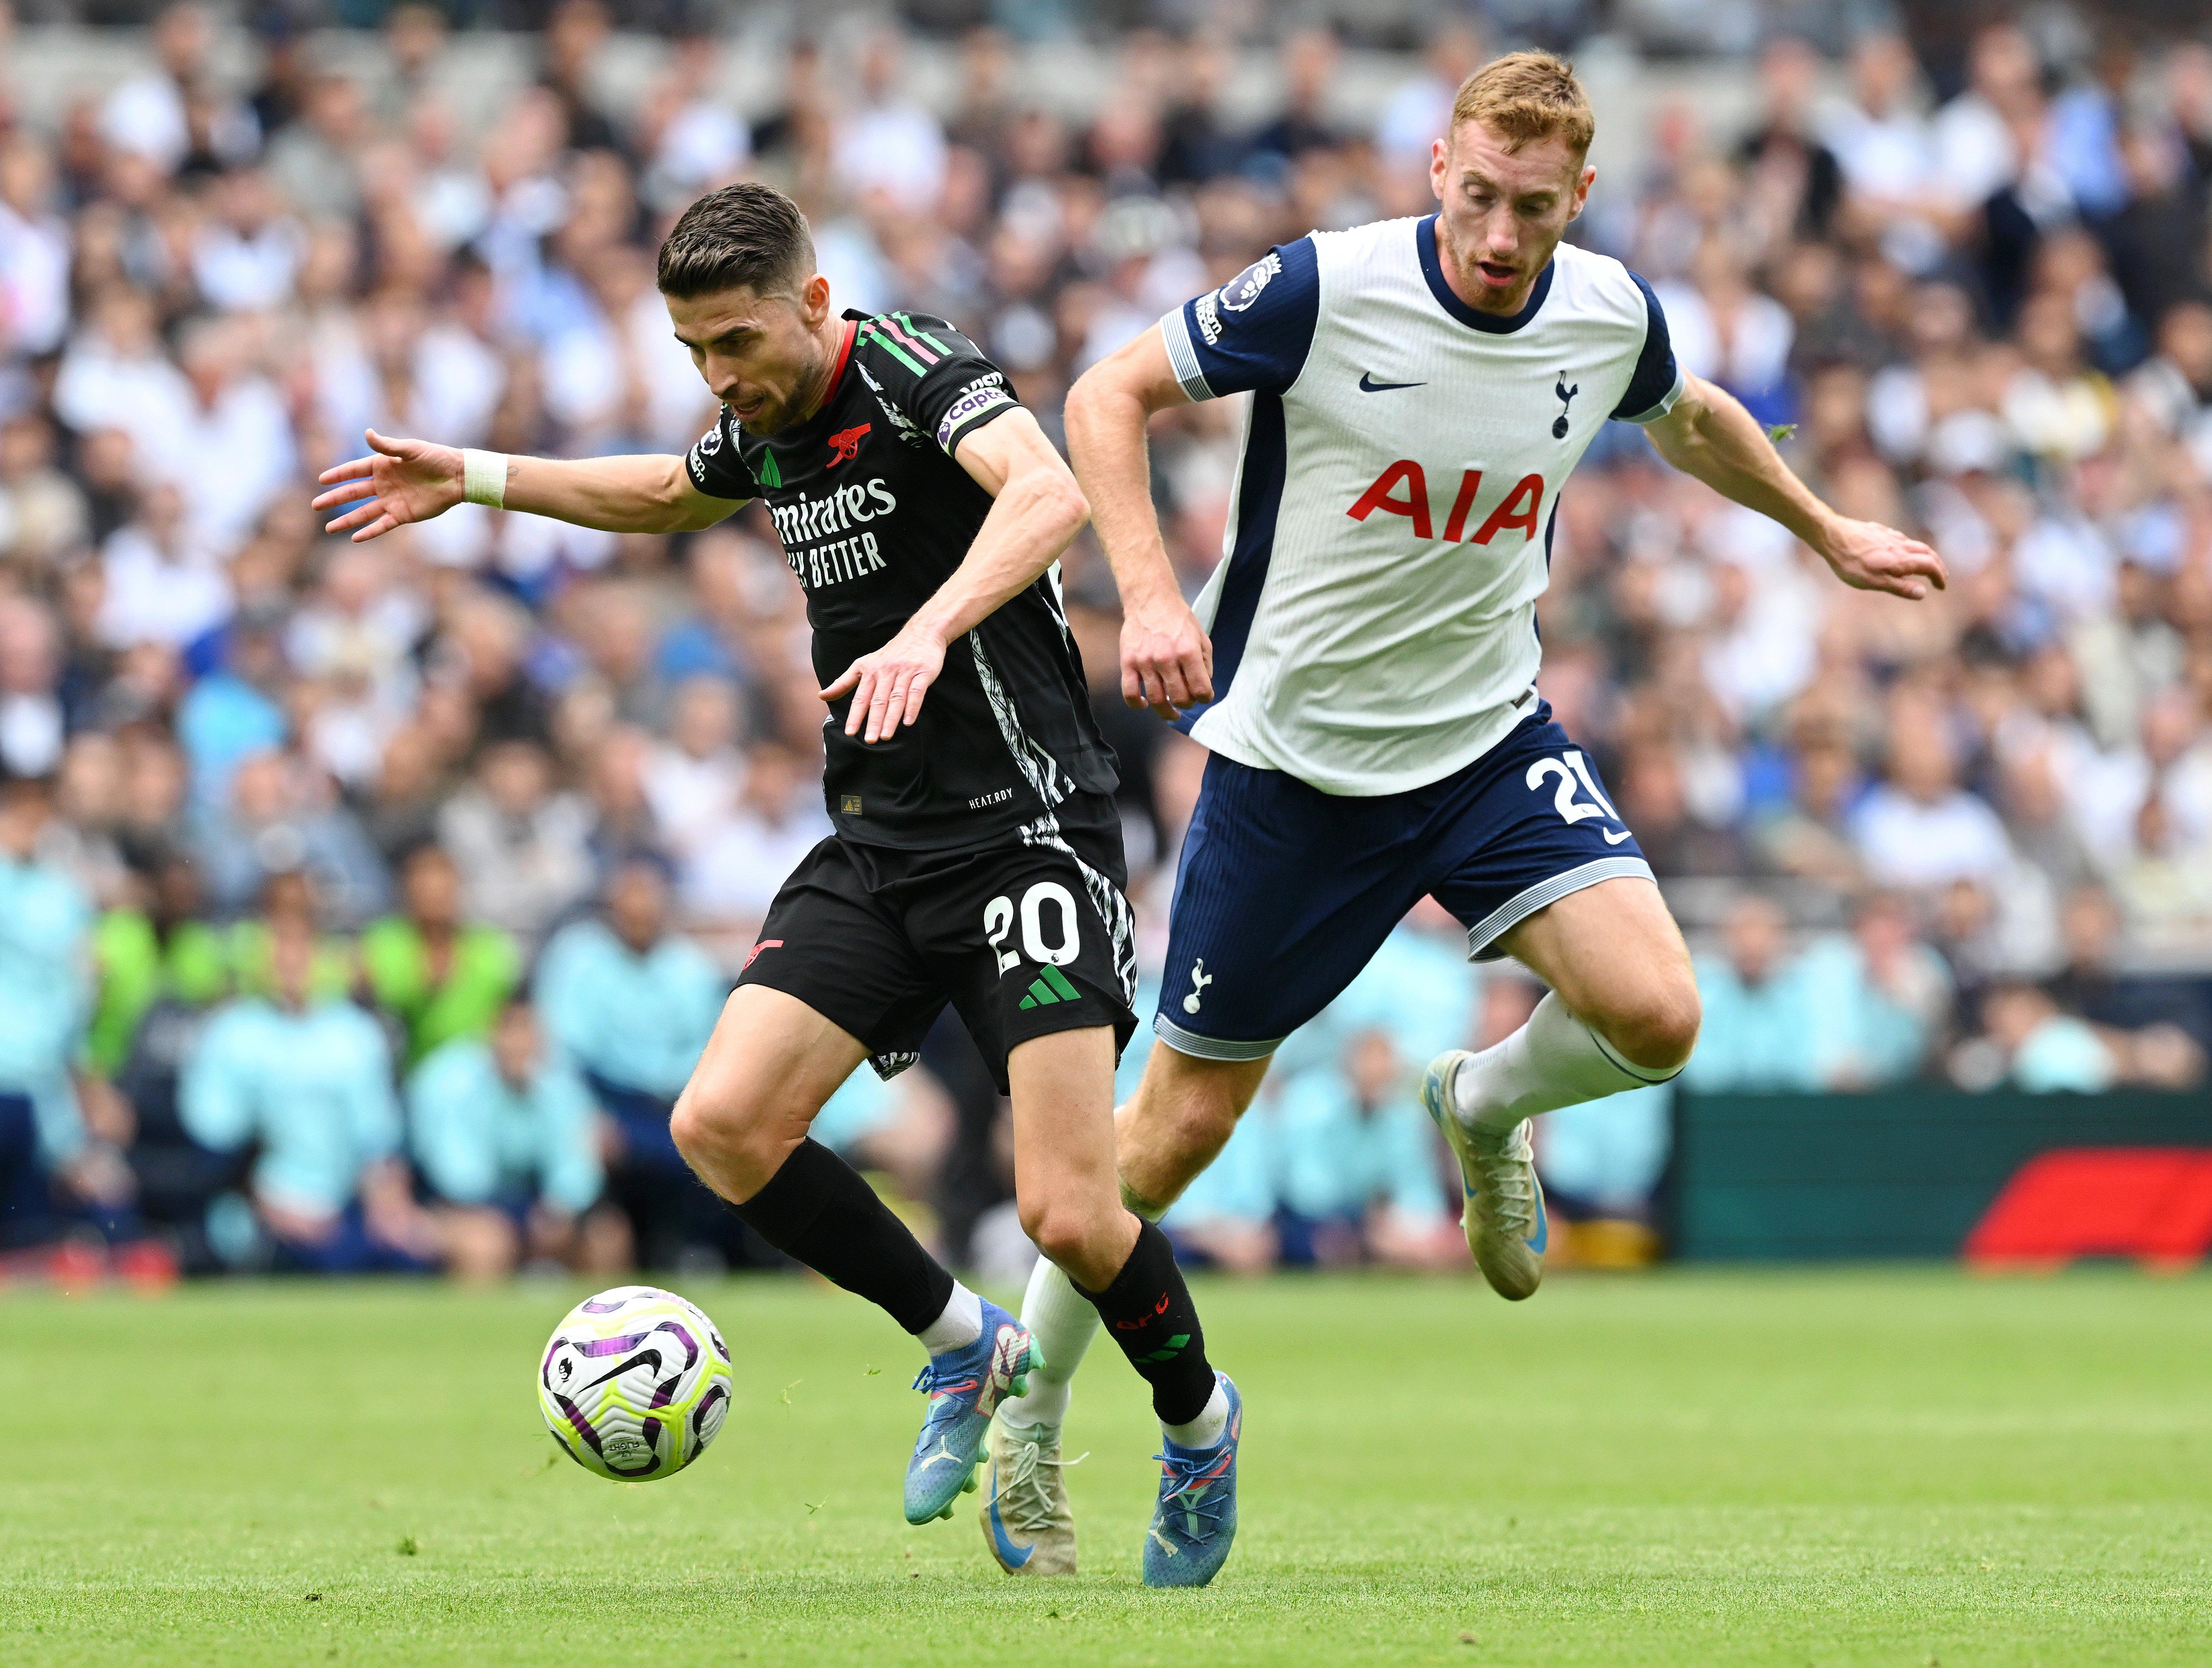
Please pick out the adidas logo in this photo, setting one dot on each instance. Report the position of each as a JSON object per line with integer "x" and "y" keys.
{"x": 1048, "y": 987}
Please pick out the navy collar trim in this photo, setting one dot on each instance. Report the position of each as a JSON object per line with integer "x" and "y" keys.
{"x": 1424, "y": 237}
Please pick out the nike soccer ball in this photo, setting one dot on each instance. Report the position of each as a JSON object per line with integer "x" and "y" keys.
{"x": 635, "y": 1383}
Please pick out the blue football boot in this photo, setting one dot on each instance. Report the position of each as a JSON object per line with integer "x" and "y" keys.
{"x": 1196, "y": 1520}
{"x": 964, "y": 1387}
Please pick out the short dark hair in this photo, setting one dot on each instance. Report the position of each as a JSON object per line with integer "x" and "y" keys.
{"x": 744, "y": 235}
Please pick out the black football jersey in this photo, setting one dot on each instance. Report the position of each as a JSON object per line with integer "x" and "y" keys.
{"x": 874, "y": 514}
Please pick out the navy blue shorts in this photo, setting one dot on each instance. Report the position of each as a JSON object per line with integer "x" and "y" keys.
{"x": 1285, "y": 892}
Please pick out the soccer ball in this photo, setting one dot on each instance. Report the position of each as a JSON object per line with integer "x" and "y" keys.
{"x": 635, "y": 1383}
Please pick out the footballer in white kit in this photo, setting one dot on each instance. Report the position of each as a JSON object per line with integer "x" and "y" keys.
{"x": 1363, "y": 664}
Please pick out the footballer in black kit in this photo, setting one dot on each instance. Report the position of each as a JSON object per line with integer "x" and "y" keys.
{"x": 978, "y": 853}
{"x": 977, "y": 858}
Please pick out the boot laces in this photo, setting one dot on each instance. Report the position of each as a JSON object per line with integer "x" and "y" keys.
{"x": 1184, "y": 1469}
{"x": 1508, "y": 1187}
{"x": 1023, "y": 1495}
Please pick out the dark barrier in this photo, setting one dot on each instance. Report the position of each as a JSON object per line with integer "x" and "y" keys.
{"x": 1904, "y": 1173}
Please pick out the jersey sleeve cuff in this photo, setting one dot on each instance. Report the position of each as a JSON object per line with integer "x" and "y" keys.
{"x": 1666, "y": 403}
{"x": 694, "y": 467}
{"x": 1183, "y": 355}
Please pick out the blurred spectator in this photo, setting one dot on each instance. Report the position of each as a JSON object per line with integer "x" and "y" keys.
{"x": 231, "y": 710}
{"x": 522, "y": 845}
{"x": 441, "y": 976}
{"x": 1760, "y": 1009}
{"x": 890, "y": 143}
{"x": 278, "y": 822}
{"x": 162, "y": 583}
{"x": 694, "y": 778}
{"x": 308, "y": 1079}
{"x": 2029, "y": 1042}
{"x": 507, "y": 1139}
{"x": 1227, "y": 1216}
{"x": 154, "y": 946}
{"x": 1358, "y": 1165}
{"x": 1793, "y": 180}
{"x": 632, "y": 1006}
{"x": 734, "y": 871}
{"x": 151, "y": 116}
{"x": 1882, "y": 998}
{"x": 32, "y": 721}
{"x": 1919, "y": 828}
{"x": 54, "y": 1162}
{"x": 2091, "y": 983}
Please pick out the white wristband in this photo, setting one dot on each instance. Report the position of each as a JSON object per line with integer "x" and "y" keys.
{"x": 484, "y": 478}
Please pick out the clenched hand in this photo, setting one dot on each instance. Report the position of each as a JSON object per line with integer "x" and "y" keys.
{"x": 1167, "y": 661}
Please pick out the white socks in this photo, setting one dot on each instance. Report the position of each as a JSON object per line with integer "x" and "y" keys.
{"x": 1063, "y": 1322}
{"x": 1554, "y": 1060}
{"x": 960, "y": 1326}
{"x": 1209, "y": 1427}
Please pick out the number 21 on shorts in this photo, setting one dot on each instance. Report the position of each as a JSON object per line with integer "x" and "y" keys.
{"x": 1058, "y": 950}
{"x": 1575, "y": 776}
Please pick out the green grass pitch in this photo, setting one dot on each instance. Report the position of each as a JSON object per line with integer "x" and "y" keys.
{"x": 1896, "y": 1467}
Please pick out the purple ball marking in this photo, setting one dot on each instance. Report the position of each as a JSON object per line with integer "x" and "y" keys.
{"x": 575, "y": 1416}
{"x": 714, "y": 1398}
{"x": 611, "y": 1346}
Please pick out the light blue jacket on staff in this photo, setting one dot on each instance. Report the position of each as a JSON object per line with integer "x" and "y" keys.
{"x": 314, "y": 1087}
{"x": 1339, "y": 1159}
{"x": 640, "y": 1021}
{"x": 479, "y": 1139}
{"x": 46, "y": 997}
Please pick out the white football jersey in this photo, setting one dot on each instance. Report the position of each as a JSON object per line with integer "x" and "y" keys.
{"x": 1374, "y": 616}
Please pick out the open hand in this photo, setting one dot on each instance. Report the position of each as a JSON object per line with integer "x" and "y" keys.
{"x": 402, "y": 481}
{"x": 1167, "y": 662}
{"x": 888, "y": 685}
{"x": 1869, "y": 556}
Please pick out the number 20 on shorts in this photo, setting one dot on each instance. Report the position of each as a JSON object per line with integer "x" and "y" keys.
{"x": 999, "y": 922}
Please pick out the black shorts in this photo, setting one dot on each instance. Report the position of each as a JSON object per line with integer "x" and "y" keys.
{"x": 1024, "y": 937}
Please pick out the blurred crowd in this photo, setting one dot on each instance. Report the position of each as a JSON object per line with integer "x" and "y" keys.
{"x": 364, "y": 907}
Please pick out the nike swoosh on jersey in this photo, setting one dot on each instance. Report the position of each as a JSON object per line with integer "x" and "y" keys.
{"x": 1615, "y": 838}
{"x": 1368, "y": 385}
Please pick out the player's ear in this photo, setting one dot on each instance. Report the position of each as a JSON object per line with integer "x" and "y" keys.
{"x": 1440, "y": 165}
{"x": 814, "y": 301}
{"x": 1582, "y": 191}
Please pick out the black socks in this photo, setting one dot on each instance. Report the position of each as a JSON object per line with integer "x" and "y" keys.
{"x": 817, "y": 1210}
{"x": 1148, "y": 1312}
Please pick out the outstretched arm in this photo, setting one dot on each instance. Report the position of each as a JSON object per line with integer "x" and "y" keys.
{"x": 1709, "y": 435}
{"x": 1037, "y": 509}
{"x": 402, "y": 481}
{"x": 1166, "y": 661}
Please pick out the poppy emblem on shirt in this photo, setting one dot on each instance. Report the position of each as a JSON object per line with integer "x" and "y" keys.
{"x": 845, "y": 444}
